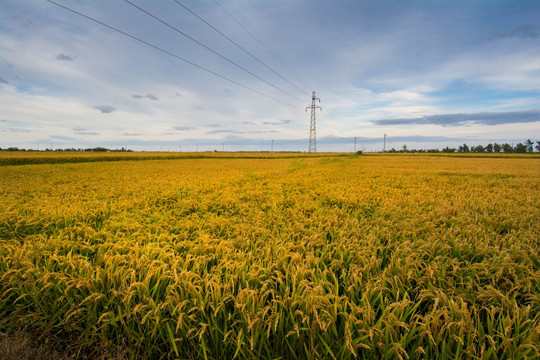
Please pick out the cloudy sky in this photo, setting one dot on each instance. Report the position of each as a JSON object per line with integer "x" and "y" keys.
{"x": 237, "y": 74}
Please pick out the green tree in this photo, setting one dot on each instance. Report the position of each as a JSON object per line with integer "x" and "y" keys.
{"x": 497, "y": 148}
{"x": 489, "y": 148}
{"x": 507, "y": 148}
{"x": 520, "y": 148}
{"x": 477, "y": 149}
{"x": 464, "y": 149}
{"x": 449, "y": 150}
{"x": 529, "y": 144}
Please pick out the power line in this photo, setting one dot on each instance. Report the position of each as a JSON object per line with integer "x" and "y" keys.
{"x": 169, "y": 53}
{"x": 211, "y": 50}
{"x": 257, "y": 40}
{"x": 327, "y": 114}
{"x": 240, "y": 47}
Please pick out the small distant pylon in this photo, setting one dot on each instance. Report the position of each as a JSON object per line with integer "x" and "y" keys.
{"x": 313, "y": 123}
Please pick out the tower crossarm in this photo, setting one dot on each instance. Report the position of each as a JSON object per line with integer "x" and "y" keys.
{"x": 314, "y": 107}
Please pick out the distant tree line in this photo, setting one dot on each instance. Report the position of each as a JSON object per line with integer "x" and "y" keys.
{"x": 526, "y": 147}
{"x": 521, "y": 148}
{"x": 96, "y": 149}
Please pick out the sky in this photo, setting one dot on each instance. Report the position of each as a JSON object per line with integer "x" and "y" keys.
{"x": 237, "y": 75}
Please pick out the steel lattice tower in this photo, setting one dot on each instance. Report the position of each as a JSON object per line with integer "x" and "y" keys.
{"x": 313, "y": 123}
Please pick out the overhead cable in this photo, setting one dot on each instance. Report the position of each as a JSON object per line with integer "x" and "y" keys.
{"x": 240, "y": 47}
{"x": 257, "y": 40}
{"x": 211, "y": 50}
{"x": 168, "y": 53}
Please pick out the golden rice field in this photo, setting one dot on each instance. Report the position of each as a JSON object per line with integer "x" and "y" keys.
{"x": 350, "y": 257}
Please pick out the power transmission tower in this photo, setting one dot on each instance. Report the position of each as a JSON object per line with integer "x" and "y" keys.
{"x": 313, "y": 126}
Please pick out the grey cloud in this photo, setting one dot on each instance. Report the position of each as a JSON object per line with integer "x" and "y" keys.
{"x": 3, "y": 81}
{"x": 223, "y": 131}
{"x": 60, "y": 137}
{"x": 241, "y": 132}
{"x": 79, "y": 129}
{"x": 15, "y": 122}
{"x": 132, "y": 134}
{"x": 213, "y": 125}
{"x": 524, "y": 32}
{"x": 87, "y": 133}
{"x": 294, "y": 144}
{"x": 105, "y": 109}
{"x": 64, "y": 57}
{"x": 485, "y": 118}
{"x": 147, "y": 96}
{"x": 277, "y": 122}
{"x": 182, "y": 128}
{"x": 366, "y": 140}
{"x": 17, "y": 130}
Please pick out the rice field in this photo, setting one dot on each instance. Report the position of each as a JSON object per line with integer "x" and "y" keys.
{"x": 240, "y": 257}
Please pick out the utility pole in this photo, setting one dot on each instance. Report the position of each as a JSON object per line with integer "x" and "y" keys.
{"x": 272, "y": 146}
{"x": 312, "y": 126}
{"x": 355, "y": 144}
{"x": 384, "y": 146}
